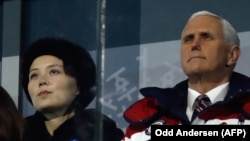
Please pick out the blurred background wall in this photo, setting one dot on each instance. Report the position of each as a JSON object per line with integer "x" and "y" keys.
{"x": 142, "y": 41}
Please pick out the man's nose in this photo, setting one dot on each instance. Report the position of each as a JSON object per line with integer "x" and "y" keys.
{"x": 196, "y": 44}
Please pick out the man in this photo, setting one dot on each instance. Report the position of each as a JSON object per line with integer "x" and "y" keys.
{"x": 210, "y": 48}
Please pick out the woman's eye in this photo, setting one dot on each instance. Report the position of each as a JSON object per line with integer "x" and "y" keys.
{"x": 54, "y": 71}
{"x": 32, "y": 76}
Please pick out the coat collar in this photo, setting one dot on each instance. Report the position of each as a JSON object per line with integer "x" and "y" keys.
{"x": 174, "y": 99}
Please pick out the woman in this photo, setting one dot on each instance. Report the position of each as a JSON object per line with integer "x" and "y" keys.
{"x": 58, "y": 78}
{"x": 12, "y": 124}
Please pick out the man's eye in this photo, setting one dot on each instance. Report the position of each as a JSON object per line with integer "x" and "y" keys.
{"x": 206, "y": 36}
{"x": 188, "y": 38}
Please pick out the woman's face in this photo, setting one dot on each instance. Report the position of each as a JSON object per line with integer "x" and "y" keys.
{"x": 50, "y": 89}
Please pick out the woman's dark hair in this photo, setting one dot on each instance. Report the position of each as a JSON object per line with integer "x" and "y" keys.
{"x": 77, "y": 62}
{"x": 12, "y": 124}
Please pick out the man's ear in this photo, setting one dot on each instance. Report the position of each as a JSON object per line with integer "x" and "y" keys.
{"x": 233, "y": 55}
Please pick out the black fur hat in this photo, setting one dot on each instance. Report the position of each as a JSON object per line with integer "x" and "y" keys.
{"x": 77, "y": 61}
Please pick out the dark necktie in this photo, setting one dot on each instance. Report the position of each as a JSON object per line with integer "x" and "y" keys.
{"x": 201, "y": 103}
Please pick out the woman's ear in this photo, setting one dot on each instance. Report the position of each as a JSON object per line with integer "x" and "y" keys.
{"x": 78, "y": 92}
{"x": 233, "y": 55}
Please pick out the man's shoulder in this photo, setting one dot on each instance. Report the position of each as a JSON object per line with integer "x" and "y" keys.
{"x": 236, "y": 76}
{"x": 141, "y": 111}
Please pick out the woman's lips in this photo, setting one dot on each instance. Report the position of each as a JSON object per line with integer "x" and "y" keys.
{"x": 44, "y": 93}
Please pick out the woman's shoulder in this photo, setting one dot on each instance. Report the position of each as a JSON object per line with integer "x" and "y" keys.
{"x": 94, "y": 114}
{"x": 109, "y": 125}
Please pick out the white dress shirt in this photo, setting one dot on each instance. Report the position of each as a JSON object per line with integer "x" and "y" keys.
{"x": 216, "y": 94}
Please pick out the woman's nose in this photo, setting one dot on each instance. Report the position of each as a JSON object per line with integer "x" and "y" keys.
{"x": 43, "y": 81}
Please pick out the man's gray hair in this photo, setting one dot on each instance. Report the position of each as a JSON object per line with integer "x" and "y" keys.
{"x": 230, "y": 33}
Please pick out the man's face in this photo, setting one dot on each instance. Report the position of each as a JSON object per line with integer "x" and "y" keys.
{"x": 203, "y": 47}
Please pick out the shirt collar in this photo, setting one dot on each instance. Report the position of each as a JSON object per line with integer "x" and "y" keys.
{"x": 216, "y": 94}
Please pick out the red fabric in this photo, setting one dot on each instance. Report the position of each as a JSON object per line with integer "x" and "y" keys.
{"x": 141, "y": 110}
{"x": 246, "y": 105}
{"x": 246, "y": 108}
{"x": 226, "y": 111}
{"x": 133, "y": 129}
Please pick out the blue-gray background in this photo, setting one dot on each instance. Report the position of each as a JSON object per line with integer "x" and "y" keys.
{"x": 141, "y": 40}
